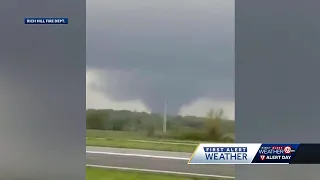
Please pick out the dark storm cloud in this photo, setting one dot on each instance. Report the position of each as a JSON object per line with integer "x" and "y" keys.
{"x": 152, "y": 50}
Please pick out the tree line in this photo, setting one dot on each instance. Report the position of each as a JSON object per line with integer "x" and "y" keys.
{"x": 213, "y": 127}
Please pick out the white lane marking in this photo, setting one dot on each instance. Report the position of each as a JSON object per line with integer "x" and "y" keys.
{"x": 159, "y": 171}
{"x": 138, "y": 155}
{"x": 164, "y": 142}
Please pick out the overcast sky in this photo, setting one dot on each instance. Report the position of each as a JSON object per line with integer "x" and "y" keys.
{"x": 141, "y": 52}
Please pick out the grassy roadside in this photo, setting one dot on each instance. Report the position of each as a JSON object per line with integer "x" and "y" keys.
{"x": 106, "y": 174}
{"x": 121, "y": 143}
{"x": 136, "y": 140}
{"x": 130, "y": 135}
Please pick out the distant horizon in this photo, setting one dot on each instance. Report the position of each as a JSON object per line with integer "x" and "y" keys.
{"x": 184, "y": 115}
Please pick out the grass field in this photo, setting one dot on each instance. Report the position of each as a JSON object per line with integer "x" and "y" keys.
{"x": 115, "y": 134}
{"x": 136, "y": 140}
{"x": 139, "y": 145}
{"x": 128, "y": 135}
{"x": 104, "y": 174}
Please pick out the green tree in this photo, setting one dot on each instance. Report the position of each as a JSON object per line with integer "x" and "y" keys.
{"x": 96, "y": 119}
{"x": 213, "y": 124}
{"x": 118, "y": 124}
{"x": 150, "y": 128}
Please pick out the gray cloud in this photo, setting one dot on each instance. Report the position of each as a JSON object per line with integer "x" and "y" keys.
{"x": 152, "y": 50}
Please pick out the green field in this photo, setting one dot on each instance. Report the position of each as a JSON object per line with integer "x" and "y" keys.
{"x": 104, "y": 174}
{"x": 129, "y": 135}
{"x": 139, "y": 145}
{"x": 124, "y": 139}
{"x": 115, "y": 134}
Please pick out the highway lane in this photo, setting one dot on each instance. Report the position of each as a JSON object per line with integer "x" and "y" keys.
{"x": 152, "y": 160}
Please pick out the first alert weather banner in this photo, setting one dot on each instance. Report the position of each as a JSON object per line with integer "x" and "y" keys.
{"x": 256, "y": 153}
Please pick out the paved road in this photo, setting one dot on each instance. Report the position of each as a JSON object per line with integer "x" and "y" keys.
{"x": 153, "y": 160}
